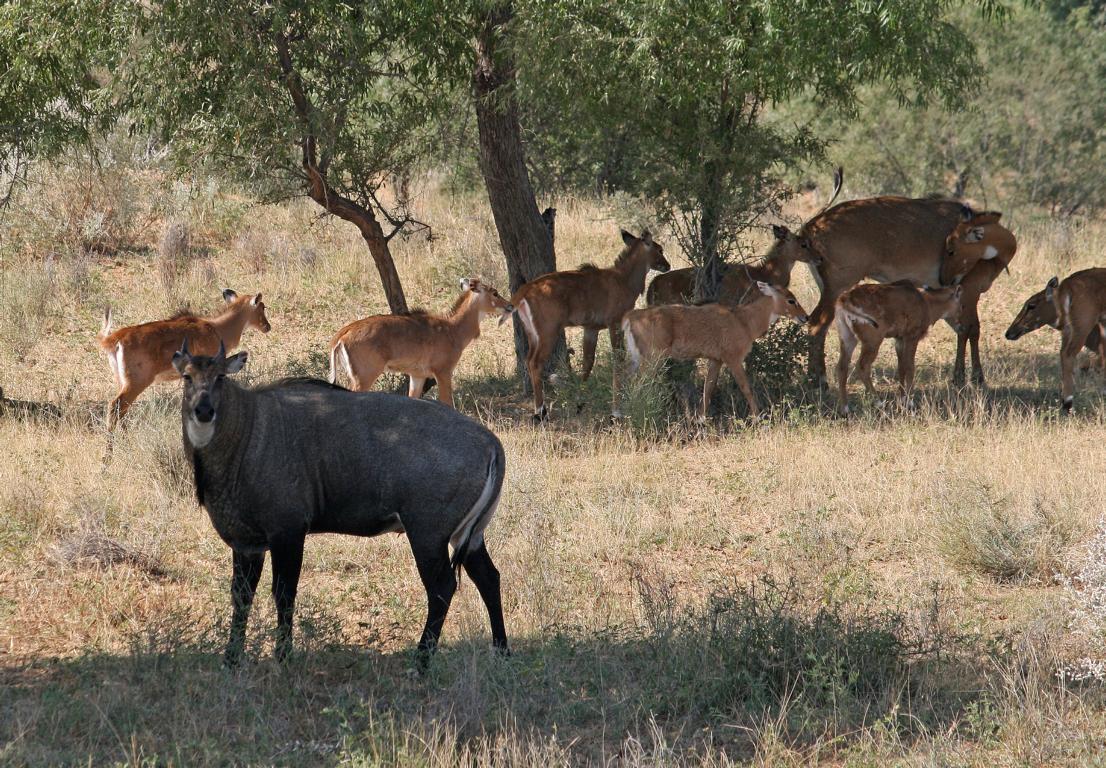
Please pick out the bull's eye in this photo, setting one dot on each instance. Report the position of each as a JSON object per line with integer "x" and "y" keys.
{"x": 186, "y": 377}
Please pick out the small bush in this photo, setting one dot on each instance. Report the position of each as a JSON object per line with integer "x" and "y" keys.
{"x": 1085, "y": 595}
{"x": 25, "y": 299}
{"x": 776, "y": 360}
{"x": 981, "y": 534}
{"x": 174, "y": 253}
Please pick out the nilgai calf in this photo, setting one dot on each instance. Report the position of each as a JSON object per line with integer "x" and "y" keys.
{"x": 302, "y": 456}
{"x": 871, "y": 313}
{"x": 1080, "y": 301}
{"x": 718, "y": 332}
{"x": 139, "y": 355}
{"x": 419, "y": 343}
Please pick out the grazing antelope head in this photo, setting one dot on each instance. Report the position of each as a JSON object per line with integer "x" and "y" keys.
{"x": 255, "y": 314}
{"x": 655, "y": 249}
{"x": 971, "y": 241}
{"x": 487, "y": 299}
{"x": 790, "y": 247}
{"x": 784, "y": 303}
{"x": 203, "y": 387}
{"x": 1038, "y": 311}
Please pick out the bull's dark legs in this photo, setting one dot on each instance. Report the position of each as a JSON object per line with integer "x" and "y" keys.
{"x": 485, "y": 576}
{"x": 287, "y": 557}
{"x": 440, "y": 583}
{"x": 243, "y": 585}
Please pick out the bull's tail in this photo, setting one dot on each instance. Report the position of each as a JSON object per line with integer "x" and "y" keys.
{"x": 469, "y": 535}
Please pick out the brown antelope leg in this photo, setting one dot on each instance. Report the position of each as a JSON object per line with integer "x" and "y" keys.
{"x": 445, "y": 387}
{"x": 591, "y": 337}
{"x": 1071, "y": 342}
{"x": 820, "y": 320}
{"x": 737, "y": 368}
{"x": 864, "y": 363}
{"x": 959, "y": 368}
{"x": 124, "y": 400}
{"x": 535, "y": 362}
{"x": 847, "y": 347}
{"x": 905, "y": 350}
{"x": 414, "y": 386}
{"x": 616, "y": 366}
{"x": 977, "y": 364}
{"x": 709, "y": 382}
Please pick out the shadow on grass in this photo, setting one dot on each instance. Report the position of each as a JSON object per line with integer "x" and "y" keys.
{"x": 684, "y": 681}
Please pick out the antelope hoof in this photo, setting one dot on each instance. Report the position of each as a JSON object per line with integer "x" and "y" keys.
{"x": 540, "y": 415}
{"x": 1067, "y": 404}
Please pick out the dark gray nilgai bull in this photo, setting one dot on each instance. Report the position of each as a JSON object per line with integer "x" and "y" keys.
{"x": 302, "y": 456}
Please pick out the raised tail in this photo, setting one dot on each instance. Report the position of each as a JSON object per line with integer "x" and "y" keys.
{"x": 105, "y": 327}
{"x": 469, "y": 535}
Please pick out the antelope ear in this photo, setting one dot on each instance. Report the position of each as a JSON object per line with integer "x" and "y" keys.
{"x": 229, "y": 295}
{"x": 966, "y": 213}
{"x": 628, "y": 238}
{"x": 237, "y": 362}
{"x": 780, "y": 231}
{"x": 256, "y": 300}
{"x": 975, "y": 234}
{"x": 181, "y": 360}
{"x": 1051, "y": 287}
{"x": 465, "y": 283}
{"x": 647, "y": 237}
{"x": 764, "y": 288}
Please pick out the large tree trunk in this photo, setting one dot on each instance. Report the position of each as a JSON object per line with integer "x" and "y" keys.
{"x": 525, "y": 238}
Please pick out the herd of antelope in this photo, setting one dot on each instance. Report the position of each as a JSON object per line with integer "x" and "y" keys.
{"x": 276, "y": 463}
{"x": 931, "y": 259}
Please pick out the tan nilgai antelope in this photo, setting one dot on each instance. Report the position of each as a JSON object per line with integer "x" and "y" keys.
{"x": 721, "y": 333}
{"x": 981, "y": 248}
{"x": 587, "y": 297}
{"x": 1080, "y": 302}
{"x": 139, "y": 355}
{"x": 886, "y": 239}
{"x": 418, "y": 343}
{"x": 1037, "y": 312}
{"x": 870, "y": 313}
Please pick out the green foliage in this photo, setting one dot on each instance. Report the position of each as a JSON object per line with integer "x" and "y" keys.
{"x": 54, "y": 78}
{"x": 666, "y": 99}
{"x": 211, "y": 80}
{"x": 1031, "y": 136}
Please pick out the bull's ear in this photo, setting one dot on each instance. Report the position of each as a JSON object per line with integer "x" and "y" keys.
{"x": 628, "y": 238}
{"x": 780, "y": 231}
{"x": 229, "y": 295}
{"x": 1051, "y": 287}
{"x": 236, "y": 362}
{"x": 647, "y": 237}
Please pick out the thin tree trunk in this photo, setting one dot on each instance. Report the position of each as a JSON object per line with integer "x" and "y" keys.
{"x": 331, "y": 201}
{"x": 524, "y": 236}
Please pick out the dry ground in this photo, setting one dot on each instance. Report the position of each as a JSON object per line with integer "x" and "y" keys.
{"x": 806, "y": 590}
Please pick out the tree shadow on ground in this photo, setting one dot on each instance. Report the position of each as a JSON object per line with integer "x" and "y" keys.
{"x": 684, "y": 681}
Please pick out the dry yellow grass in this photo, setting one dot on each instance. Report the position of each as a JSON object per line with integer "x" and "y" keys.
{"x": 599, "y": 529}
